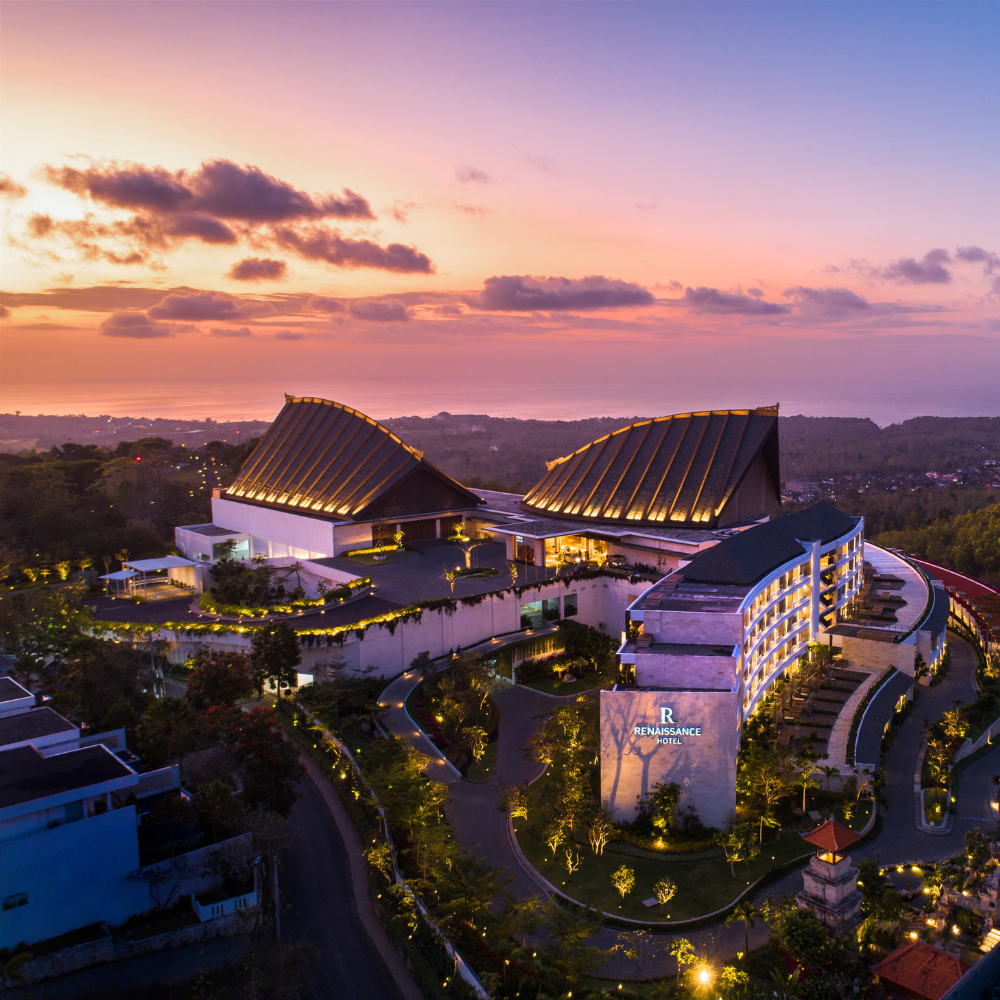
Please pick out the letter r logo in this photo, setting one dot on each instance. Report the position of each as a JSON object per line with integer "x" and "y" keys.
{"x": 666, "y": 715}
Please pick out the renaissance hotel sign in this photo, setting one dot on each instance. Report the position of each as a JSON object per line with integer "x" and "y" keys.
{"x": 667, "y": 731}
{"x": 656, "y": 736}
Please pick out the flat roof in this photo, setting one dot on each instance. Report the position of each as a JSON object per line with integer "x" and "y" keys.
{"x": 552, "y": 527}
{"x": 25, "y": 775}
{"x": 32, "y": 724}
{"x": 497, "y": 502}
{"x": 209, "y": 529}
{"x": 152, "y": 565}
{"x": 720, "y": 598}
{"x": 682, "y": 649}
{"x": 10, "y": 690}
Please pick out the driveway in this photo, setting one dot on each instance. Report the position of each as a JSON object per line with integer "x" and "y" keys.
{"x": 317, "y": 899}
{"x": 899, "y": 839}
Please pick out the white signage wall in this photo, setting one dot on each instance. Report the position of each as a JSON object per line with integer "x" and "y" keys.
{"x": 687, "y": 737}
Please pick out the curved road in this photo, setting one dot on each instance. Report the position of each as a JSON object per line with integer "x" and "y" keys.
{"x": 481, "y": 828}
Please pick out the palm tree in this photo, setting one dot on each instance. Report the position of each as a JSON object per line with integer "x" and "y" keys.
{"x": 745, "y": 913}
{"x": 769, "y": 820}
{"x": 828, "y": 773}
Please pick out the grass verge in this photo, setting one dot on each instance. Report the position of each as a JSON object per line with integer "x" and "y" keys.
{"x": 552, "y": 685}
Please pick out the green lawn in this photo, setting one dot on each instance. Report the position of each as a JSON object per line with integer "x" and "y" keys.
{"x": 552, "y": 685}
{"x": 370, "y": 560}
{"x": 703, "y": 885}
{"x": 482, "y": 770}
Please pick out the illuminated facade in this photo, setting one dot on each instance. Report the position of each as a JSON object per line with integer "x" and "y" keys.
{"x": 711, "y": 638}
{"x": 656, "y": 492}
{"x": 325, "y": 479}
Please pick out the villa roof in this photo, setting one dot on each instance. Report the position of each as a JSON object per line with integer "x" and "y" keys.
{"x": 26, "y": 775}
{"x": 33, "y": 724}
{"x": 10, "y": 690}
{"x": 922, "y": 969}
{"x": 748, "y": 556}
{"x": 833, "y": 837}
{"x": 324, "y": 459}
{"x": 680, "y": 470}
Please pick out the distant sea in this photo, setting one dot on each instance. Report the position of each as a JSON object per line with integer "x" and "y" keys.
{"x": 536, "y": 396}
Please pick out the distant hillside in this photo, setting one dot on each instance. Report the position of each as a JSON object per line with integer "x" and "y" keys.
{"x": 511, "y": 454}
{"x": 833, "y": 447}
{"x": 19, "y": 432}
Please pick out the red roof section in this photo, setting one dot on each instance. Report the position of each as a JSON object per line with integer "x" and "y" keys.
{"x": 957, "y": 581}
{"x": 831, "y": 836}
{"x": 922, "y": 968}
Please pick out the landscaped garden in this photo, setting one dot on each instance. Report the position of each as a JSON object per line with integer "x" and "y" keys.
{"x": 946, "y": 736}
{"x": 259, "y": 590}
{"x": 666, "y": 855}
{"x": 454, "y": 708}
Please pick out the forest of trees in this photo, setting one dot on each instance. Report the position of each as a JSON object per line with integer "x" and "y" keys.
{"x": 82, "y": 503}
{"x": 969, "y": 543}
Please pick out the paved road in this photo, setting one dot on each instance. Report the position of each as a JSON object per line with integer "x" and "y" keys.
{"x": 480, "y": 827}
{"x": 318, "y": 904}
{"x": 899, "y": 839}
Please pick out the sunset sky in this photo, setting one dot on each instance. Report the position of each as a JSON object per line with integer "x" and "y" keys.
{"x": 522, "y": 209}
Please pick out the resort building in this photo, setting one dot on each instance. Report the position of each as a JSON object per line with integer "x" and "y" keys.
{"x": 70, "y": 808}
{"x": 708, "y": 642}
{"x": 326, "y": 479}
{"x": 656, "y": 492}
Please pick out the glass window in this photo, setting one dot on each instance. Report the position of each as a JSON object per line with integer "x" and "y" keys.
{"x": 569, "y": 605}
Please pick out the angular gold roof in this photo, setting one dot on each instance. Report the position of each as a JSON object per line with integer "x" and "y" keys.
{"x": 325, "y": 458}
{"x": 677, "y": 470}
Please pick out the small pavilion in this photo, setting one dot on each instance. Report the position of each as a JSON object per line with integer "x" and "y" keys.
{"x": 143, "y": 567}
{"x": 830, "y": 881}
{"x": 125, "y": 576}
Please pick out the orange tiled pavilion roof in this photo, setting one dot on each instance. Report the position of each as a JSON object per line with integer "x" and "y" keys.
{"x": 922, "y": 969}
{"x": 831, "y": 836}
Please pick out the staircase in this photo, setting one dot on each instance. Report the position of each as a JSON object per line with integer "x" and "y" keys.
{"x": 991, "y": 940}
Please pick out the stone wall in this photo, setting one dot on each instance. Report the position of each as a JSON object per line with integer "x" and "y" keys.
{"x": 694, "y": 627}
{"x": 702, "y": 763}
{"x": 681, "y": 670}
{"x": 600, "y": 601}
{"x": 106, "y": 949}
{"x": 880, "y": 655}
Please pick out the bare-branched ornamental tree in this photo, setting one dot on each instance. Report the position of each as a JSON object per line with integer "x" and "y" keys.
{"x": 600, "y": 830}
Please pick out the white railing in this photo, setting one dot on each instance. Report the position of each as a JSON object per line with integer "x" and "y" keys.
{"x": 209, "y": 911}
{"x": 463, "y": 968}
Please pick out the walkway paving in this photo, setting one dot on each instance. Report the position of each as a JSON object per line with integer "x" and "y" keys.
{"x": 836, "y": 748}
{"x": 321, "y": 904}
